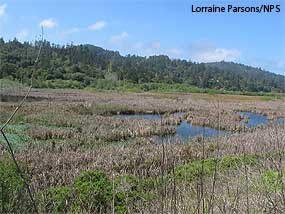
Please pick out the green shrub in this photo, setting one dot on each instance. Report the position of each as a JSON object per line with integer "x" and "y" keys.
{"x": 94, "y": 191}
{"x": 193, "y": 170}
{"x": 59, "y": 199}
{"x": 13, "y": 194}
{"x": 10, "y": 84}
{"x": 129, "y": 191}
{"x": 59, "y": 83}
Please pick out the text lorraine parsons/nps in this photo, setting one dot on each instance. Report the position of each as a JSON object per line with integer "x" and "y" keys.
{"x": 236, "y": 9}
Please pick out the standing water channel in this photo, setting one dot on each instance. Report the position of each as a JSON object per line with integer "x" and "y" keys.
{"x": 185, "y": 130}
{"x": 258, "y": 119}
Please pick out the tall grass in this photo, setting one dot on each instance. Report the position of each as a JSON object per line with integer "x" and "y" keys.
{"x": 82, "y": 159}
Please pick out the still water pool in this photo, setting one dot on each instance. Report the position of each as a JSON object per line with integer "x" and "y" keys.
{"x": 258, "y": 119}
{"x": 185, "y": 131}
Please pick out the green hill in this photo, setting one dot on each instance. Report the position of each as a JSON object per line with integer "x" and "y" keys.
{"x": 81, "y": 66}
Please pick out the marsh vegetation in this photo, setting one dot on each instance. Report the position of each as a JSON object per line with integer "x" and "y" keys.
{"x": 110, "y": 152}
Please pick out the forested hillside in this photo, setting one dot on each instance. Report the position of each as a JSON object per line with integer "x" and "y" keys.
{"x": 84, "y": 65}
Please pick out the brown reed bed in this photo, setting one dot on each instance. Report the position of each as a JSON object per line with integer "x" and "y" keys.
{"x": 74, "y": 131}
{"x": 63, "y": 163}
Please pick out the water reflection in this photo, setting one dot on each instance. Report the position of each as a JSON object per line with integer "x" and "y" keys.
{"x": 252, "y": 119}
{"x": 184, "y": 130}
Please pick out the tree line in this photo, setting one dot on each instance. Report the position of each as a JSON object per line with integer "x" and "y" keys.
{"x": 85, "y": 64}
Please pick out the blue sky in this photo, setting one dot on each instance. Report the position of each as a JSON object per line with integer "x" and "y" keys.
{"x": 148, "y": 27}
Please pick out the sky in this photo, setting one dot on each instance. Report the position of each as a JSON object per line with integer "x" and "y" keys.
{"x": 152, "y": 27}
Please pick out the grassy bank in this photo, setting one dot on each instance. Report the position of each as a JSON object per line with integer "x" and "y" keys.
{"x": 125, "y": 86}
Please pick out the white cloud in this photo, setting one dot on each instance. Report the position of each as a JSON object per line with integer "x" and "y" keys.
{"x": 48, "y": 23}
{"x": 74, "y": 30}
{"x": 175, "y": 52}
{"x": 147, "y": 49}
{"x": 3, "y": 9}
{"x": 272, "y": 65}
{"x": 154, "y": 45}
{"x": 71, "y": 31}
{"x": 23, "y": 34}
{"x": 147, "y": 46}
{"x": 119, "y": 38}
{"x": 280, "y": 64}
{"x": 216, "y": 55}
{"x": 152, "y": 48}
{"x": 67, "y": 32}
{"x": 139, "y": 45}
{"x": 97, "y": 25}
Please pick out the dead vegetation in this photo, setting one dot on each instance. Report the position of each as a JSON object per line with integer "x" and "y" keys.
{"x": 72, "y": 132}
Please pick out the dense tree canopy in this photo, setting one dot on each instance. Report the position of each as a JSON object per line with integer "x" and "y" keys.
{"x": 87, "y": 63}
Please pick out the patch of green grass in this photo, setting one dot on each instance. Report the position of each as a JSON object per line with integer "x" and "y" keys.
{"x": 102, "y": 109}
{"x": 10, "y": 84}
{"x": 195, "y": 169}
{"x": 266, "y": 98}
{"x": 271, "y": 180}
{"x": 125, "y": 86}
{"x": 59, "y": 83}
{"x": 272, "y": 96}
{"x": 17, "y": 136}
